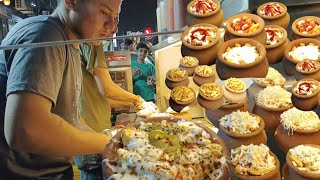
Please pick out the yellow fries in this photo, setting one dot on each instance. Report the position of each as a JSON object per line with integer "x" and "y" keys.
{"x": 182, "y": 94}
{"x": 177, "y": 74}
{"x": 204, "y": 70}
{"x": 189, "y": 61}
{"x": 295, "y": 159}
{"x": 261, "y": 172}
{"x": 235, "y": 84}
{"x": 210, "y": 90}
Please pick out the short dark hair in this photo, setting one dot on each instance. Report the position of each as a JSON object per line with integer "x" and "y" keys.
{"x": 142, "y": 45}
{"x": 128, "y": 42}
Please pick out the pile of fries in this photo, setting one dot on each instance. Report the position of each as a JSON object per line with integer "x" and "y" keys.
{"x": 189, "y": 61}
{"x": 204, "y": 70}
{"x": 177, "y": 74}
{"x": 235, "y": 84}
{"x": 182, "y": 94}
{"x": 211, "y": 90}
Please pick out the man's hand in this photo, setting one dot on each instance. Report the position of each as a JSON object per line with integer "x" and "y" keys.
{"x": 136, "y": 71}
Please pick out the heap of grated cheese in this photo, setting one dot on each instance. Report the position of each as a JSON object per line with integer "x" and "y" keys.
{"x": 274, "y": 97}
{"x": 240, "y": 122}
{"x": 309, "y": 156}
{"x": 273, "y": 78}
{"x": 294, "y": 119}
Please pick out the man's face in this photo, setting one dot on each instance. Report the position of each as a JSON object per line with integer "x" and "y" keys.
{"x": 142, "y": 53}
{"x": 96, "y": 19}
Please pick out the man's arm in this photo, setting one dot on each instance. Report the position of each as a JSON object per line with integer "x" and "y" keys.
{"x": 120, "y": 104}
{"x": 111, "y": 90}
{"x": 30, "y": 126}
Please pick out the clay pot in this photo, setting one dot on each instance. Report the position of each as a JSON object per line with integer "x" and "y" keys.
{"x": 271, "y": 116}
{"x": 210, "y": 102}
{"x": 258, "y": 35}
{"x": 202, "y": 79}
{"x": 206, "y": 54}
{"x": 282, "y": 19}
{"x": 190, "y": 69}
{"x": 257, "y": 69}
{"x": 215, "y": 115}
{"x": 273, "y": 175}
{"x": 234, "y": 96}
{"x": 296, "y": 34}
{"x": 275, "y": 52}
{"x": 296, "y": 173}
{"x": 215, "y": 17}
{"x": 179, "y": 105}
{"x": 235, "y": 140}
{"x": 305, "y": 102}
{"x": 313, "y": 74}
{"x": 172, "y": 83}
{"x": 286, "y": 141}
{"x": 115, "y": 143}
{"x": 289, "y": 174}
{"x": 289, "y": 64}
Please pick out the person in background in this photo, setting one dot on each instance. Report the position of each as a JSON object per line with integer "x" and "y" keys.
{"x": 143, "y": 74}
{"x": 131, "y": 45}
{"x": 99, "y": 94}
{"x": 40, "y": 90}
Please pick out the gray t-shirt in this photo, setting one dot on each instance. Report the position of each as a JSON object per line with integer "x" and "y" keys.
{"x": 53, "y": 72}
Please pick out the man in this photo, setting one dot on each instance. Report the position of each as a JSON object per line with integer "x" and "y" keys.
{"x": 40, "y": 88}
{"x": 99, "y": 93}
{"x": 131, "y": 45}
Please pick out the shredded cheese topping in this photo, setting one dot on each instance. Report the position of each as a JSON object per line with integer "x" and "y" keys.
{"x": 203, "y": 7}
{"x": 305, "y": 87}
{"x": 241, "y": 54}
{"x": 303, "y": 52}
{"x": 271, "y": 9}
{"x": 305, "y": 158}
{"x": 147, "y": 108}
{"x": 274, "y": 97}
{"x": 274, "y": 35}
{"x": 252, "y": 160}
{"x": 273, "y": 78}
{"x": 295, "y": 119}
{"x": 145, "y": 157}
{"x": 200, "y": 36}
{"x": 240, "y": 122}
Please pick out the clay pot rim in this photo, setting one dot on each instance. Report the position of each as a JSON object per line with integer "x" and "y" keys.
{"x": 242, "y": 41}
{"x": 255, "y": 18}
{"x": 266, "y": 176}
{"x": 298, "y": 171}
{"x": 195, "y": 65}
{"x": 210, "y": 98}
{"x": 207, "y": 14}
{"x": 186, "y": 102}
{"x": 305, "y": 96}
{"x": 233, "y": 105}
{"x": 172, "y": 80}
{"x": 296, "y": 31}
{"x": 285, "y": 10}
{"x": 296, "y": 43}
{"x": 310, "y": 72}
{"x": 233, "y": 91}
{"x": 214, "y": 42}
{"x": 302, "y": 131}
{"x": 274, "y": 109}
{"x": 282, "y": 40}
{"x": 252, "y": 134}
